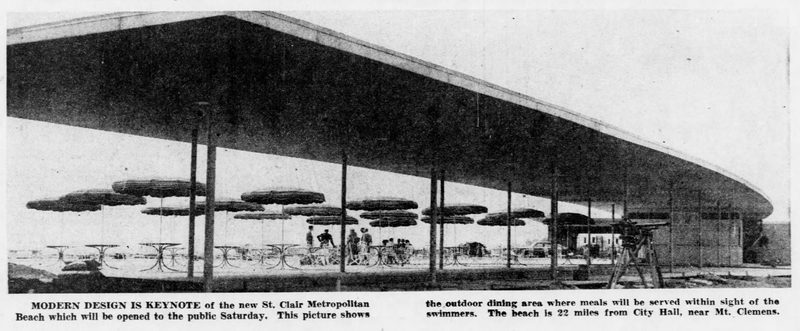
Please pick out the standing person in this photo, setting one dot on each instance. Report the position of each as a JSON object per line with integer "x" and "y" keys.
{"x": 400, "y": 249}
{"x": 409, "y": 248}
{"x": 390, "y": 252}
{"x": 352, "y": 244}
{"x": 366, "y": 238}
{"x": 326, "y": 239}
{"x": 310, "y": 236}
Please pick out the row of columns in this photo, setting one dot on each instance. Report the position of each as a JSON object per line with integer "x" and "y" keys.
{"x": 553, "y": 229}
{"x": 206, "y": 110}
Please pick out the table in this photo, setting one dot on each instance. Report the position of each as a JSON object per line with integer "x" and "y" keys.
{"x": 173, "y": 253}
{"x": 455, "y": 252}
{"x": 383, "y": 253}
{"x": 514, "y": 256}
{"x": 262, "y": 255}
{"x": 159, "y": 247}
{"x": 225, "y": 249}
{"x": 282, "y": 248}
{"x": 60, "y": 249}
{"x": 101, "y": 249}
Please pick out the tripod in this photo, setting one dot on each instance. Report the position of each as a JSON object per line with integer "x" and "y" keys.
{"x": 635, "y": 238}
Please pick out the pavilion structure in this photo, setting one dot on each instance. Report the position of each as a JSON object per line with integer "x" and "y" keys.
{"x": 269, "y": 83}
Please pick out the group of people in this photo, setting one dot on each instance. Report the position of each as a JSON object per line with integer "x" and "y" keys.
{"x": 397, "y": 252}
{"x": 359, "y": 247}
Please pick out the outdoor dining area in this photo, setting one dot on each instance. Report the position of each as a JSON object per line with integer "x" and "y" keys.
{"x": 375, "y": 225}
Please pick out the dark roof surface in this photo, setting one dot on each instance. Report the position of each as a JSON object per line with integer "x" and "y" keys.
{"x": 287, "y": 87}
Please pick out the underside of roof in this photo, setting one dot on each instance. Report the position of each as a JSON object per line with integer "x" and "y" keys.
{"x": 286, "y": 87}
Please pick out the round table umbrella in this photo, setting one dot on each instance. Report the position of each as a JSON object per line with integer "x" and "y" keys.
{"x": 500, "y": 221}
{"x": 103, "y": 197}
{"x": 378, "y": 214}
{"x": 170, "y": 211}
{"x": 386, "y": 211}
{"x": 261, "y": 217}
{"x": 158, "y": 188}
{"x": 313, "y": 210}
{"x": 455, "y": 219}
{"x": 392, "y": 223}
{"x": 331, "y": 220}
{"x": 58, "y": 205}
{"x": 527, "y": 213}
{"x": 571, "y": 219}
{"x": 451, "y": 220}
{"x": 381, "y": 203}
{"x": 231, "y": 206}
{"x": 457, "y": 209}
{"x": 283, "y": 197}
{"x": 388, "y": 222}
{"x": 331, "y": 212}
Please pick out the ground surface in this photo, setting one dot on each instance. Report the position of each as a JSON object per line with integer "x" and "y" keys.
{"x": 43, "y": 275}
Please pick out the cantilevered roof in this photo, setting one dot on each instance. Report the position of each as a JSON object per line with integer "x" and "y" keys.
{"x": 288, "y": 87}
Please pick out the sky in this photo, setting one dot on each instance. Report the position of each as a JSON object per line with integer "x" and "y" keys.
{"x": 711, "y": 84}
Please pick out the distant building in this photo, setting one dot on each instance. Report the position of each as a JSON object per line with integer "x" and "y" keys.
{"x": 768, "y": 243}
{"x": 714, "y": 240}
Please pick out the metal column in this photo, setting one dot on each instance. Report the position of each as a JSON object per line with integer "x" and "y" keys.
{"x": 441, "y": 224}
{"x": 613, "y": 240}
{"x": 554, "y": 224}
{"x": 192, "y": 202}
{"x": 589, "y": 232}
{"x": 700, "y": 226}
{"x": 719, "y": 224}
{"x": 671, "y": 220}
{"x": 434, "y": 215}
{"x": 625, "y": 197}
{"x": 508, "y": 229}
{"x": 342, "y": 239}
{"x": 211, "y": 166}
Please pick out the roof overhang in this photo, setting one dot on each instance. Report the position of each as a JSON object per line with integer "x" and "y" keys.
{"x": 288, "y": 87}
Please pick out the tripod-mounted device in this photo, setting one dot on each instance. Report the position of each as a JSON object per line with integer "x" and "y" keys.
{"x": 636, "y": 237}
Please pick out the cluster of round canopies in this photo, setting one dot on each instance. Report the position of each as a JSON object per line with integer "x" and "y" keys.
{"x": 381, "y": 211}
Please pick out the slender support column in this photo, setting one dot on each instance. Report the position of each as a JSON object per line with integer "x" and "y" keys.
{"x": 613, "y": 240}
{"x": 434, "y": 216}
{"x": 508, "y": 229}
{"x": 554, "y": 223}
{"x": 434, "y": 115}
{"x": 589, "y": 232}
{"x": 192, "y": 203}
{"x": 211, "y": 170}
{"x": 741, "y": 232}
{"x": 734, "y": 224}
{"x": 441, "y": 224}
{"x": 342, "y": 239}
{"x": 719, "y": 225}
{"x": 671, "y": 221}
{"x": 700, "y": 226}
{"x": 625, "y": 202}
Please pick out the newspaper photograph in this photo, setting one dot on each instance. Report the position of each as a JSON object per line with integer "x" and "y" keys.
{"x": 391, "y": 168}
